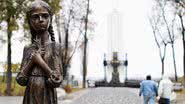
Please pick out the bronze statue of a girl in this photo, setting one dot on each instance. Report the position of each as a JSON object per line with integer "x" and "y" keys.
{"x": 41, "y": 67}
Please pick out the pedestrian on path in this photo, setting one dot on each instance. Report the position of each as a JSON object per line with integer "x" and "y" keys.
{"x": 148, "y": 89}
{"x": 165, "y": 90}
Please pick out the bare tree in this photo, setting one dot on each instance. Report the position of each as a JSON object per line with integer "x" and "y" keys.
{"x": 74, "y": 27}
{"x": 165, "y": 25}
{"x": 77, "y": 18}
{"x": 85, "y": 47}
{"x": 161, "y": 43}
{"x": 180, "y": 7}
{"x": 169, "y": 27}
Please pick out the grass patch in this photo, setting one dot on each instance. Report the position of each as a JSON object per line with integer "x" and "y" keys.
{"x": 16, "y": 89}
{"x": 76, "y": 89}
{"x": 181, "y": 92}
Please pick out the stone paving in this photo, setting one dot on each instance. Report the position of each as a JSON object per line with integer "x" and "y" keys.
{"x": 11, "y": 100}
{"x": 107, "y": 95}
{"x": 110, "y": 95}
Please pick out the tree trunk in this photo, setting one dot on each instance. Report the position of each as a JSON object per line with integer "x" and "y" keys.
{"x": 4, "y": 75}
{"x": 174, "y": 62}
{"x": 9, "y": 73}
{"x": 183, "y": 39}
{"x": 162, "y": 67}
{"x": 184, "y": 58}
{"x": 85, "y": 62}
{"x": 85, "y": 47}
{"x": 66, "y": 52}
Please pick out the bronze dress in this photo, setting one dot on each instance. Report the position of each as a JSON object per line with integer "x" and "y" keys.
{"x": 40, "y": 89}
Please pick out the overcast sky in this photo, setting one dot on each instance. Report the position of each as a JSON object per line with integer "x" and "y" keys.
{"x": 138, "y": 41}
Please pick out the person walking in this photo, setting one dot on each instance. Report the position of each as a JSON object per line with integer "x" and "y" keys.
{"x": 148, "y": 89}
{"x": 165, "y": 90}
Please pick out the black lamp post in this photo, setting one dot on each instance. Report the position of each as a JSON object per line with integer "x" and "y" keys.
{"x": 105, "y": 64}
{"x": 126, "y": 64}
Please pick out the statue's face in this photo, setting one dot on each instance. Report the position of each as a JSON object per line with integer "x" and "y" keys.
{"x": 40, "y": 19}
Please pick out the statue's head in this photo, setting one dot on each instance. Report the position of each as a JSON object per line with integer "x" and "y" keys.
{"x": 39, "y": 18}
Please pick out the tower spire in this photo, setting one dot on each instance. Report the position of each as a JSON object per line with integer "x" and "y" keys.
{"x": 115, "y": 4}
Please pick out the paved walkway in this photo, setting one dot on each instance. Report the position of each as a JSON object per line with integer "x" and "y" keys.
{"x": 107, "y": 95}
{"x": 11, "y": 100}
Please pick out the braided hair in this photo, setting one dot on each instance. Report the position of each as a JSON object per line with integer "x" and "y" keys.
{"x": 51, "y": 32}
{"x": 28, "y": 14}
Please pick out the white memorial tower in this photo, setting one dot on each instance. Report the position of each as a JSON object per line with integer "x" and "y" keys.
{"x": 115, "y": 43}
{"x": 115, "y": 32}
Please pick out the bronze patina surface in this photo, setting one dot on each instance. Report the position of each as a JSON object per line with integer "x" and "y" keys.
{"x": 41, "y": 67}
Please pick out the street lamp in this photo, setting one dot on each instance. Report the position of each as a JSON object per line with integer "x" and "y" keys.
{"x": 126, "y": 64}
{"x": 105, "y": 64}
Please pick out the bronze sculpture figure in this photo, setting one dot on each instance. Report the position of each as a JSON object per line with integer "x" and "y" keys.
{"x": 41, "y": 67}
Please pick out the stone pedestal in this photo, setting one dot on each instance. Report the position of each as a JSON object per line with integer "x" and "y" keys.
{"x": 115, "y": 78}
{"x": 115, "y": 63}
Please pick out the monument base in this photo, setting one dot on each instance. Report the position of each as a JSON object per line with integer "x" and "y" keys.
{"x": 105, "y": 84}
{"x": 127, "y": 83}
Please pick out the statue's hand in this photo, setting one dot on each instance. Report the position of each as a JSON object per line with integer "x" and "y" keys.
{"x": 36, "y": 57}
{"x": 37, "y": 54}
{"x": 55, "y": 79}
